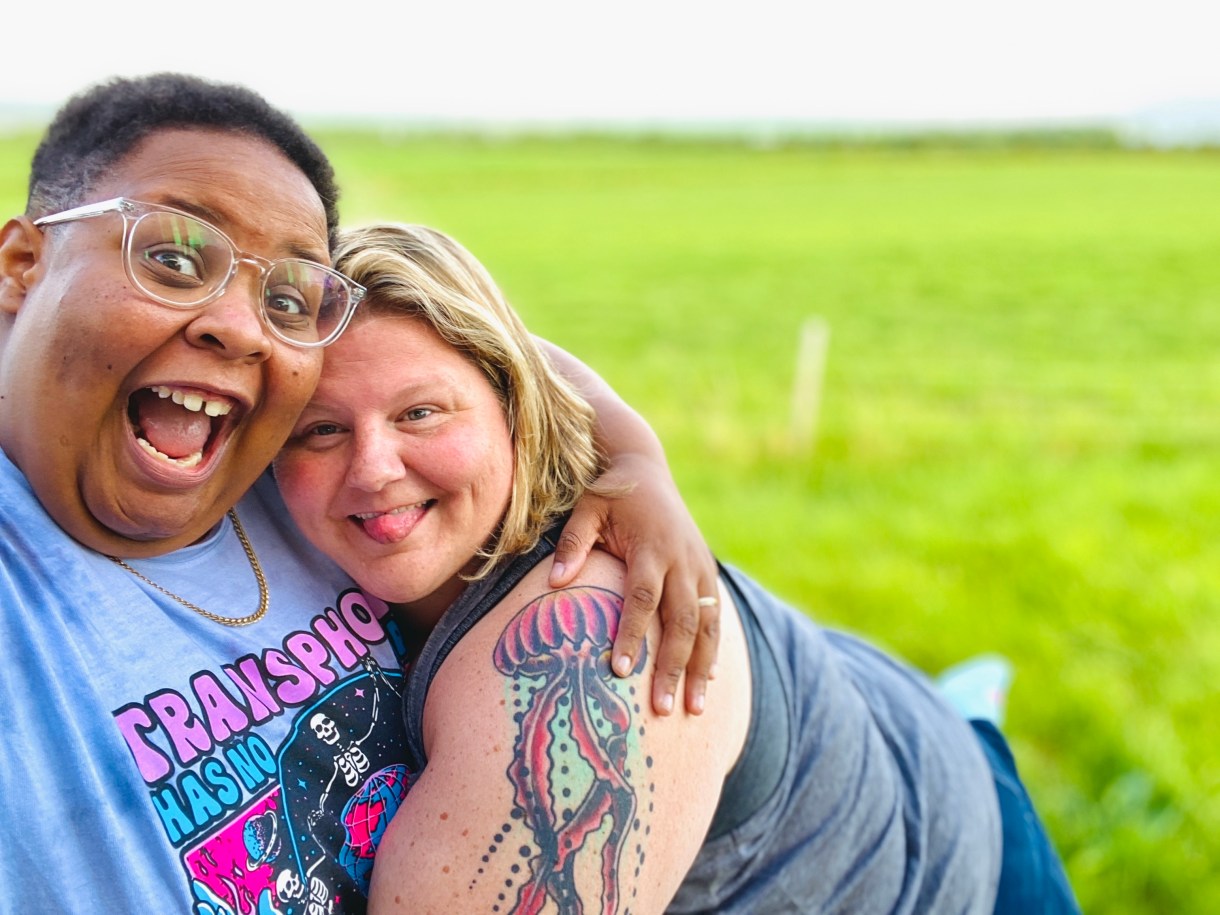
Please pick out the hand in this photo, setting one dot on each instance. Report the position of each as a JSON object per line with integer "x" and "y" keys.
{"x": 648, "y": 527}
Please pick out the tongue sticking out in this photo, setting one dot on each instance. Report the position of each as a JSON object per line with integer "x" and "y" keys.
{"x": 173, "y": 430}
{"x": 393, "y": 527}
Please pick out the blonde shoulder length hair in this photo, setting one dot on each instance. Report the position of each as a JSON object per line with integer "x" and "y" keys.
{"x": 420, "y": 273}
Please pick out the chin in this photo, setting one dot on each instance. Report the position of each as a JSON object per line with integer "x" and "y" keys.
{"x": 154, "y": 532}
{"x": 391, "y": 589}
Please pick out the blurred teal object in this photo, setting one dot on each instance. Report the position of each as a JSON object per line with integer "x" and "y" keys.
{"x": 978, "y": 688}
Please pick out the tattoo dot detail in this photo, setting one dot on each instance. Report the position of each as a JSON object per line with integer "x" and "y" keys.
{"x": 577, "y": 729}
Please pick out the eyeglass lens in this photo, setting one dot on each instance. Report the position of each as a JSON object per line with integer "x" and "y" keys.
{"x": 182, "y": 261}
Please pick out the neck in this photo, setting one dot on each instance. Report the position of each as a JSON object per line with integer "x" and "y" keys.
{"x": 423, "y": 613}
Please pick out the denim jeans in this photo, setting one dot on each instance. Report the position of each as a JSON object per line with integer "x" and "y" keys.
{"x": 1032, "y": 878}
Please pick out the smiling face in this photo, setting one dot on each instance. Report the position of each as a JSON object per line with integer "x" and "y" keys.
{"x": 137, "y": 424}
{"x": 401, "y": 466}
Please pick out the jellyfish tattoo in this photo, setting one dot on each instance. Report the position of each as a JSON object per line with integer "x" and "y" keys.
{"x": 570, "y": 772}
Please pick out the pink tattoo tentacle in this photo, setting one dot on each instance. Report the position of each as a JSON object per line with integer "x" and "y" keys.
{"x": 575, "y": 789}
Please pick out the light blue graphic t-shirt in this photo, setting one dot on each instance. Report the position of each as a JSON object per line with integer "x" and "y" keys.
{"x": 158, "y": 761}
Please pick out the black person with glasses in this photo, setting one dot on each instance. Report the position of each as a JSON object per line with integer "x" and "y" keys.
{"x": 200, "y": 712}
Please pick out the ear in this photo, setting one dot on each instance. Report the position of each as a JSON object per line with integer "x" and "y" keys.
{"x": 20, "y": 249}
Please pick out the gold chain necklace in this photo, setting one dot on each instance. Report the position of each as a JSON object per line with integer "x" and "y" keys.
{"x": 264, "y": 597}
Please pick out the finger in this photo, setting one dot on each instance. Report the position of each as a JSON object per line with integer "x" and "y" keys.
{"x": 700, "y": 667}
{"x": 575, "y": 541}
{"x": 641, "y": 590}
{"x": 680, "y": 614}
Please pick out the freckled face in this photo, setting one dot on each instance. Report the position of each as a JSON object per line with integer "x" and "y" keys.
{"x": 402, "y": 464}
{"x": 85, "y": 358}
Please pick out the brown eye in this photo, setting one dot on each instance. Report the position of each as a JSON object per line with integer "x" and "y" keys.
{"x": 173, "y": 266}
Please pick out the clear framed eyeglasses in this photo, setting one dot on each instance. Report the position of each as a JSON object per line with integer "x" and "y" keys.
{"x": 181, "y": 261}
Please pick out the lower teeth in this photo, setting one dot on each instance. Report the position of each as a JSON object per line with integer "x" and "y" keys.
{"x": 189, "y": 461}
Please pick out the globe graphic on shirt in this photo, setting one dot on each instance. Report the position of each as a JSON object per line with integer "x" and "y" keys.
{"x": 261, "y": 838}
{"x": 365, "y": 818}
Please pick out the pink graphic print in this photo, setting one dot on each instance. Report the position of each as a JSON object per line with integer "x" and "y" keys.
{"x": 235, "y": 862}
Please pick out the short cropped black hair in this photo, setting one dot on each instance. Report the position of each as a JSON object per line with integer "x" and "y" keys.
{"x": 98, "y": 127}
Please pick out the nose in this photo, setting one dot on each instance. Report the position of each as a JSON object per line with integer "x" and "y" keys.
{"x": 232, "y": 323}
{"x": 376, "y": 461}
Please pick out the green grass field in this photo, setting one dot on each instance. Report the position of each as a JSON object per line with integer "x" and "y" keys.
{"x": 1016, "y": 436}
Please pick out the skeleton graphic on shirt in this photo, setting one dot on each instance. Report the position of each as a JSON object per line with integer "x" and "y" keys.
{"x": 351, "y": 763}
{"x": 337, "y": 750}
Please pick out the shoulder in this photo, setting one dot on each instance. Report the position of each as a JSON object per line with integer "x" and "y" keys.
{"x": 533, "y": 634}
{"x": 533, "y": 619}
{"x": 565, "y": 784}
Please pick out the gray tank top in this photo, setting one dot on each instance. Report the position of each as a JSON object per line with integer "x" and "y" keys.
{"x": 859, "y": 790}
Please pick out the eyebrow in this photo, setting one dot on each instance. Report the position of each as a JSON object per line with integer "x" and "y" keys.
{"x": 216, "y": 218}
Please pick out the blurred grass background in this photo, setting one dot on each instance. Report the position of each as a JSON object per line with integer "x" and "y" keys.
{"x": 1017, "y": 434}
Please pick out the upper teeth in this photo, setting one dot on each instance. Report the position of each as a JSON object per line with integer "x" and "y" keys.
{"x": 365, "y": 516}
{"x": 194, "y": 402}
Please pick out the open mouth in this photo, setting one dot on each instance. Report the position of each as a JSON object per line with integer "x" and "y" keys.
{"x": 394, "y": 525}
{"x": 177, "y": 425}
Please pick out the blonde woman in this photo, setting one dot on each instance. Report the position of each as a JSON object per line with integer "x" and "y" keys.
{"x": 435, "y": 463}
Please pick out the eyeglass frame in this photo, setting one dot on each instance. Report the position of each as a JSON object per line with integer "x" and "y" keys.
{"x": 130, "y": 209}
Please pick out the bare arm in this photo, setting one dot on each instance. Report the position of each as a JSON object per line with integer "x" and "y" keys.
{"x": 548, "y": 781}
{"x": 651, "y": 530}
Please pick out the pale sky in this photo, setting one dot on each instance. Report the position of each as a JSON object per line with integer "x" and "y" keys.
{"x": 855, "y": 60}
